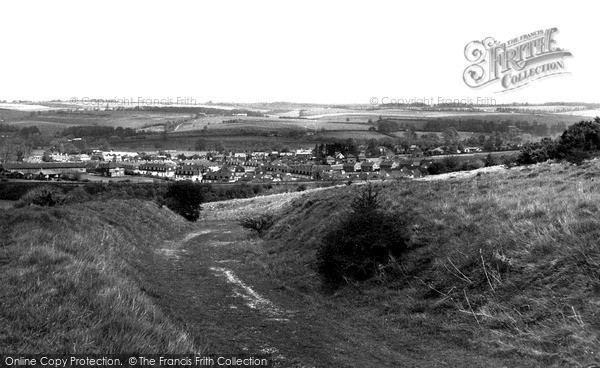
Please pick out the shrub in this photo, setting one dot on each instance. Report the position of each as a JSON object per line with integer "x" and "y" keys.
{"x": 532, "y": 153}
{"x": 72, "y": 176}
{"x": 43, "y": 196}
{"x": 471, "y": 165}
{"x": 301, "y": 188}
{"x": 584, "y": 136}
{"x": 259, "y": 223}
{"x": 364, "y": 242}
{"x": 452, "y": 163}
{"x": 184, "y": 198}
{"x": 437, "y": 168}
{"x": 489, "y": 160}
{"x": 77, "y": 195}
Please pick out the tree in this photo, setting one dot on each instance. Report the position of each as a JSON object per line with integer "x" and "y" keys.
{"x": 532, "y": 153}
{"x": 581, "y": 137}
{"x": 489, "y": 160}
{"x": 185, "y": 198}
{"x": 450, "y": 135}
{"x": 362, "y": 245}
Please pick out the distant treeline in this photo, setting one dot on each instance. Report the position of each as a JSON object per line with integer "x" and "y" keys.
{"x": 581, "y": 141}
{"x": 484, "y": 126}
{"x": 199, "y": 110}
{"x": 96, "y": 131}
{"x": 471, "y": 125}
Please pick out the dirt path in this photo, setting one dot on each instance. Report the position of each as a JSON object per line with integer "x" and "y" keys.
{"x": 207, "y": 282}
{"x": 195, "y": 283}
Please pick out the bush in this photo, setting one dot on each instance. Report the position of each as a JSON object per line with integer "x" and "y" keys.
{"x": 184, "y": 198}
{"x": 471, "y": 165}
{"x": 43, "y": 196}
{"x": 489, "y": 160}
{"x": 584, "y": 136}
{"x": 532, "y": 153}
{"x": 579, "y": 142}
{"x": 77, "y": 195}
{"x": 259, "y": 223}
{"x": 437, "y": 168}
{"x": 365, "y": 241}
{"x": 72, "y": 176}
{"x": 452, "y": 163}
{"x": 301, "y": 188}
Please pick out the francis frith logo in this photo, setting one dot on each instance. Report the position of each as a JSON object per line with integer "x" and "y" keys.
{"x": 514, "y": 63}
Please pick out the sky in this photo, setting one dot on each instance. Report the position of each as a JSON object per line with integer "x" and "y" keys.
{"x": 296, "y": 51}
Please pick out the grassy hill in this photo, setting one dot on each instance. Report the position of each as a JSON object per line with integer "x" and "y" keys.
{"x": 504, "y": 265}
{"x": 70, "y": 279}
{"x": 508, "y": 263}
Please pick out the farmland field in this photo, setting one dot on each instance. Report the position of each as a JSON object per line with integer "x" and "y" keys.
{"x": 228, "y": 142}
{"x": 461, "y": 135}
{"x": 261, "y": 123}
{"x": 126, "y": 119}
{"x": 354, "y": 134}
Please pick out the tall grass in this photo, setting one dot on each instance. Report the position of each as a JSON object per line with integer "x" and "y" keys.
{"x": 512, "y": 257}
{"x": 69, "y": 279}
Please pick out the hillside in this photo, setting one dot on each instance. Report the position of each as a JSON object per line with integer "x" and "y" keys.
{"x": 70, "y": 279}
{"x": 501, "y": 271}
{"x": 505, "y": 262}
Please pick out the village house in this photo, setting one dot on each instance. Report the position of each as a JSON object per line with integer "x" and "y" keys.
{"x": 388, "y": 165}
{"x": 45, "y": 170}
{"x": 79, "y": 158}
{"x": 304, "y": 154}
{"x": 224, "y": 175}
{"x": 303, "y": 171}
{"x": 336, "y": 168}
{"x": 351, "y": 167}
{"x": 437, "y": 151}
{"x": 189, "y": 172}
{"x": 111, "y": 169}
{"x": 369, "y": 166}
{"x": 239, "y": 171}
{"x": 161, "y": 170}
{"x": 259, "y": 155}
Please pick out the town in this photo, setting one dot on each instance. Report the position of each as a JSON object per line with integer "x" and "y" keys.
{"x": 230, "y": 167}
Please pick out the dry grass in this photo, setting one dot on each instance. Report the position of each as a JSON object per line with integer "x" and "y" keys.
{"x": 237, "y": 209}
{"x": 508, "y": 259}
{"x": 70, "y": 279}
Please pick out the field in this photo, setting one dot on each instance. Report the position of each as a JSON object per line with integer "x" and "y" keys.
{"x": 222, "y": 130}
{"x": 260, "y": 123}
{"x": 54, "y": 123}
{"x": 354, "y": 134}
{"x": 461, "y": 135}
{"x": 186, "y": 142}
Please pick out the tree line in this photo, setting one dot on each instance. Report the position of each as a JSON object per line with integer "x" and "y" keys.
{"x": 579, "y": 142}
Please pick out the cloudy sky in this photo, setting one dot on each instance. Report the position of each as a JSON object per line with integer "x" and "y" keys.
{"x": 262, "y": 51}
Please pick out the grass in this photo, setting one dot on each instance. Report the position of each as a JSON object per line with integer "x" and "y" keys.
{"x": 506, "y": 262}
{"x": 71, "y": 279}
